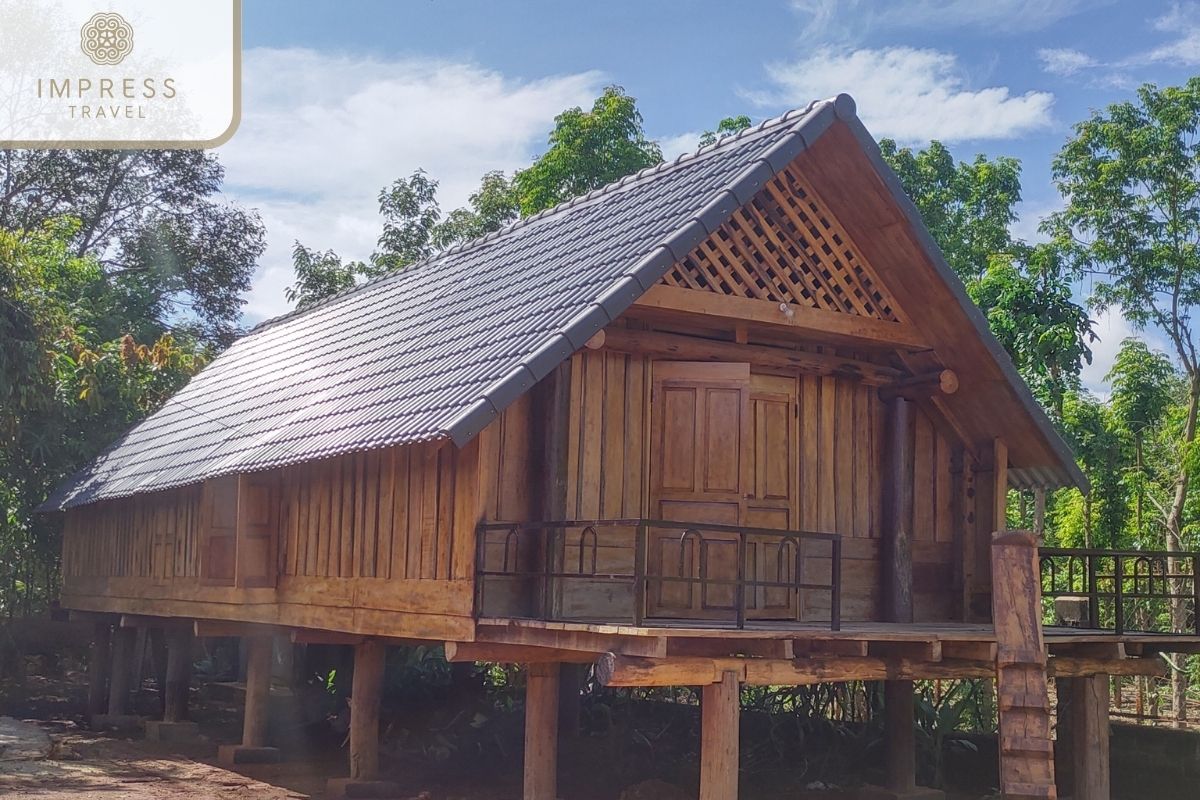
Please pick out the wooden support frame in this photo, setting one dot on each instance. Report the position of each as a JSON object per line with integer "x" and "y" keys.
{"x": 900, "y": 743}
{"x": 585, "y": 641}
{"x": 896, "y": 550}
{"x": 179, "y": 674}
{"x": 365, "y": 692}
{"x": 1086, "y": 718}
{"x": 120, "y": 677}
{"x": 694, "y": 348}
{"x": 541, "y": 732}
{"x": 99, "y": 668}
{"x": 258, "y": 690}
{"x": 720, "y": 712}
{"x": 457, "y": 652}
{"x": 814, "y": 323}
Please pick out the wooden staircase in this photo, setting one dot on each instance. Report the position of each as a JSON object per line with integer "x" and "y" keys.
{"x": 1026, "y": 749}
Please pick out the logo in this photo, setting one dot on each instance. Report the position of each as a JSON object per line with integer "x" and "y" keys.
{"x": 106, "y": 39}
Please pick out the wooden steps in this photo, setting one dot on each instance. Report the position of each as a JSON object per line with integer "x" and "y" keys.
{"x": 1026, "y": 748}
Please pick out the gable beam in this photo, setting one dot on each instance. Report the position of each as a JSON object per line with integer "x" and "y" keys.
{"x": 809, "y": 323}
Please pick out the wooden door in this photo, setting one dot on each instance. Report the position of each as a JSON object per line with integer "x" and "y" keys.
{"x": 770, "y": 499}
{"x": 699, "y": 426}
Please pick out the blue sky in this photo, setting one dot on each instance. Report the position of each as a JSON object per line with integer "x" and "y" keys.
{"x": 343, "y": 97}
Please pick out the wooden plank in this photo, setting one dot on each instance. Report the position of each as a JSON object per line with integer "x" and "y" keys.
{"x": 720, "y": 709}
{"x": 541, "y": 732}
{"x": 514, "y": 654}
{"x": 813, "y": 323}
{"x": 585, "y": 641}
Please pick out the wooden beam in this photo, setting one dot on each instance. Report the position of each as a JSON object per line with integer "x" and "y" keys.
{"x": 970, "y": 651}
{"x": 541, "y": 732}
{"x": 694, "y": 348}
{"x": 929, "y": 384}
{"x": 596, "y": 342}
{"x": 145, "y": 621}
{"x": 1070, "y": 667}
{"x": 1106, "y": 651}
{"x": 720, "y": 712}
{"x": 258, "y": 690}
{"x": 618, "y": 670}
{"x": 216, "y": 629}
{"x": 312, "y": 636}
{"x": 910, "y": 651}
{"x": 897, "y": 515}
{"x": 585, "y": 641}
{"x": 365, "y": 692}
{"x": 726, "y": 648}
{"x": 514, "y": 654}
{"x": 809, "y": 322}
{"x": 899, "y": 739}
{"x": 830, "y": 647}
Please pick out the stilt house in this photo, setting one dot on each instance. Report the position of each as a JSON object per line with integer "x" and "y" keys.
{"x": 730, "y": 420}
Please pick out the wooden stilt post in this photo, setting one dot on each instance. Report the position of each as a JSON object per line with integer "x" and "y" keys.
{"x": 900, "y": 745}
{"x": 120, "y": 678}
{"x": 541, "y": 732}
{"x": 98, "y": 669}
{"x": 720, "y": 708}
{"x": 253, "y": 749}
{"x": 1089, "y": 736}
{"x": 365, "y": 694}
{"x": 179, "y": 674}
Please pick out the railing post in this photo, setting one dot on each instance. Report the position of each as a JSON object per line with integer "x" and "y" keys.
{"x": 740, "y": 587}
{"x": 1119, "y": 591}
{"x": 1195, "y": 598}
{"x": 1093, "y": 592}
{"x": 639, "y": 574}
{"x": 835, "y": 583}
{"x": 547, "y": 568}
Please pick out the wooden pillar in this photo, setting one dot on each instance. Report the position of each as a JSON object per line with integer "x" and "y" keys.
{"x": 258, "y": 690}
{"x": 548, "y": 455}
{"x": 541, "y": 732}
{"x": 897, "y": 515}
{"x": 900, "y": 744}
{"x": 98, "y": 669}
{"x": 365, "y": 695}
{"x": 179, "y": 674}
{"x": 1087, "y": 714}
{"x": 720, "y": 709}
{"x": 120, "y": 678}
{"x": 991, "y": 502}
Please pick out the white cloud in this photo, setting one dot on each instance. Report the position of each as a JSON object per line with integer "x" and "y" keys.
{"x": 679, "y": 144}
{"x": 851, "y": 19}
{"x": 1064, "y": 61}
{"x": 1183, "y": 21}
{"x": 908, "y": 94}
{"x": 1112, "y": 328}
{"x": 322, "y": 133}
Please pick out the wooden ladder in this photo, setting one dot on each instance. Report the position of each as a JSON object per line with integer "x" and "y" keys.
{"x": 1026, "y": 749}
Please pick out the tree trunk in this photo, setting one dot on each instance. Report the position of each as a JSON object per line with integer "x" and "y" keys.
{"x": 1174, "y": 544}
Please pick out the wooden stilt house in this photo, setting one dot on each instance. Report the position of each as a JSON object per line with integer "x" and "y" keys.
{"x": 729, "y": 420}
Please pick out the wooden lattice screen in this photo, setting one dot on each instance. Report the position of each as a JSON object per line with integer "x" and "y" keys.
{"x": 784, "y": 247}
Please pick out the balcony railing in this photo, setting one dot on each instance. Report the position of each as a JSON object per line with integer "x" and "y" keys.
{"x": 643, "y": 571}
{"x": 1121, "y": 591}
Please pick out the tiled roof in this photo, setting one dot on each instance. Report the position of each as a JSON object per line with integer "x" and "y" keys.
{"x": 439, "y": 349}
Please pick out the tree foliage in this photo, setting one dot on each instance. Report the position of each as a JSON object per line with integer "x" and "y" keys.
{"x": 728, "y": 126}
{"x": 174, "y": 253}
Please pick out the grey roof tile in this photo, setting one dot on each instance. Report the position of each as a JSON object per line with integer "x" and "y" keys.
{"x": 437, "y": 350}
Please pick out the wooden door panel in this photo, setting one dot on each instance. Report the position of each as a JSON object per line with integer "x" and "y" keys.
{"x": 678, "y": 438}
{"x": 722, "y": 420}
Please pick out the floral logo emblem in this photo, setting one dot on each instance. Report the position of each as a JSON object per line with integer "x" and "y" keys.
{"x": 106, "y": 39}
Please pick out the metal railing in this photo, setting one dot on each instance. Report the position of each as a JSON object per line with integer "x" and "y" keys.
{"x": 1131, "y": 590}
{"x": 542, "y": 570}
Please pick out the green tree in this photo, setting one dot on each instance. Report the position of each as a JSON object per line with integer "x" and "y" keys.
{"x": 1144, "y": 387}
{"x": 70, "y": 383}
{"x": 728, "y": 126}
{"x": 1099, "y": 444}
{"x": 1130, "y": 176}
{"x": 175, "y": 253}
{"x": 319, "y": 275}
{"x": 967, "y": 206}
{"x": 588, "y": 149}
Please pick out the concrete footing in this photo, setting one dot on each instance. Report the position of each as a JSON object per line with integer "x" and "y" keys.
{"x": 116, "y": 722}
{"x": 230, "y": 755}
{"x": 161, "y": 731}
{"x": 918, "y": 793}
{"x": 350, "y": 788}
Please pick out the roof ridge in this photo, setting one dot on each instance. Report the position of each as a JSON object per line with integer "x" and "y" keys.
{"x": 724, "y": 141}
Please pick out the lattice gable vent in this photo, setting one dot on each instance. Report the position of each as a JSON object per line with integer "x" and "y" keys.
{"x": 784, "y": 247}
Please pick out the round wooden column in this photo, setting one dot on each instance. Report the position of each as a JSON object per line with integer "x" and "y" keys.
{"x": 179, "y": 674}
{"x": 365, "y": 695}
{"x": 120, "y": 678}
{"x": 258, "y": 690}
{"x": 900, "y": 745}
{"x": 98, "y": 669}
{"x": 720, "y": 707}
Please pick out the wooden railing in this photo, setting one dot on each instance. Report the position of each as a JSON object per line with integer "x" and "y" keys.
{"x": 1130, "y": 590}
{"x": 601, "y": 570}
